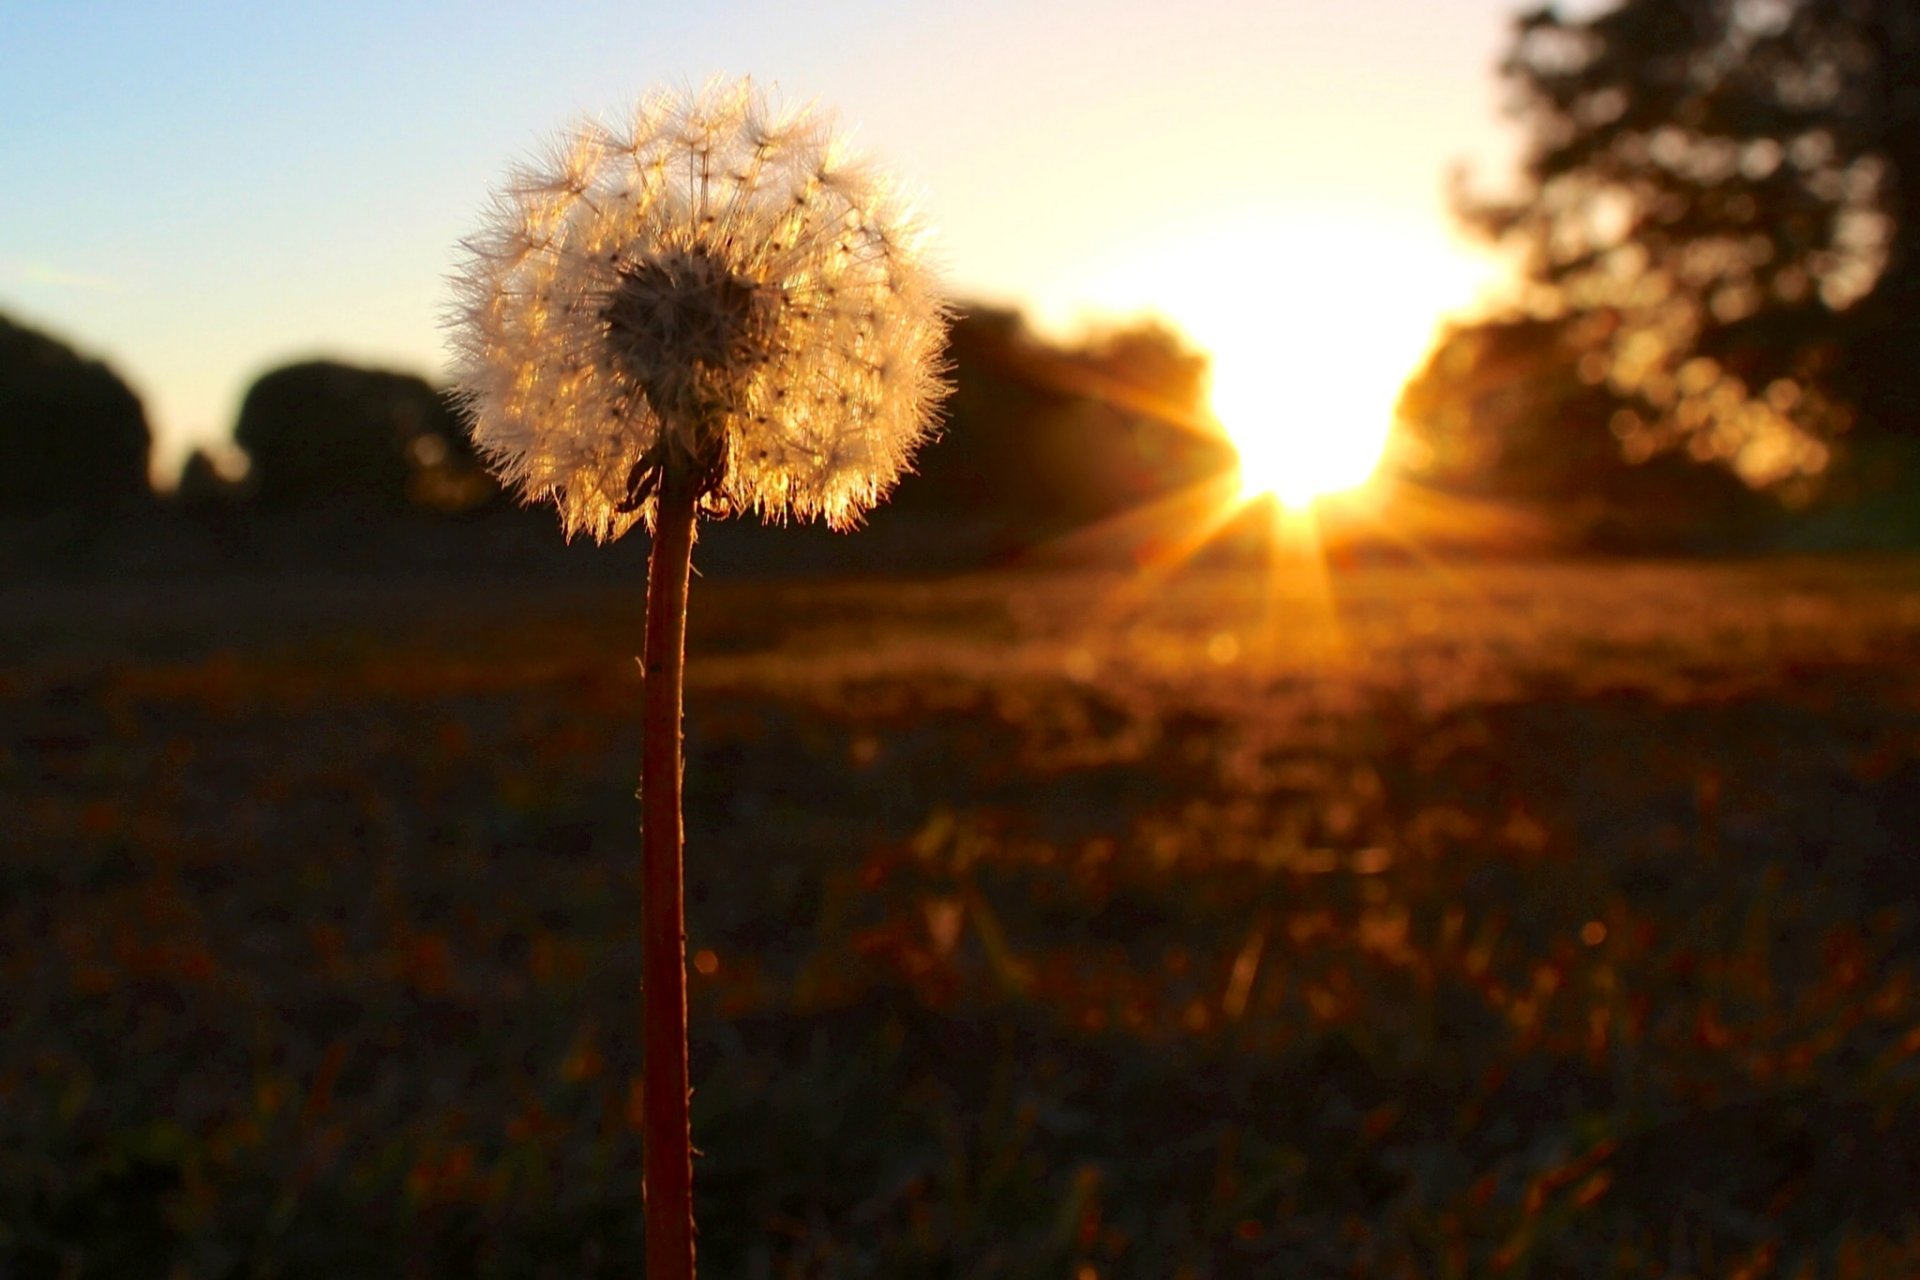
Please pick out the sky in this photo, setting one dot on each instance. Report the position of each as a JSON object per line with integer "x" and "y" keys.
{"x": 200, "y": 192}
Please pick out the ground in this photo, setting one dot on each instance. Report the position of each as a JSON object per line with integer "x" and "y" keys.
{"x": 1399, "y": 921}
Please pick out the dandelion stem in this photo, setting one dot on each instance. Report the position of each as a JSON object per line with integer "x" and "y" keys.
{"x": 667, "y": 1139}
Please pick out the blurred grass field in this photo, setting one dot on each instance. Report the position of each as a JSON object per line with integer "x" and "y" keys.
{"x": 1527, "y": 920}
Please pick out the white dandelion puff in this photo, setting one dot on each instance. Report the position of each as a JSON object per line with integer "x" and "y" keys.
{"x": 713, "y": 289}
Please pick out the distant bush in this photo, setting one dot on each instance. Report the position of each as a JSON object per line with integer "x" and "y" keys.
{"x": 1502, "y": 410}
{"x": 1041, "y": 437}
{"x": 73, "y": 434}
{"x": 327, "y": 433}
{"x": 201, "y": 483}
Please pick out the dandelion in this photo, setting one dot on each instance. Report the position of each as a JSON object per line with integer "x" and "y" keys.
{"x": 713, "y": 308}
{"x": 715, "y": 294}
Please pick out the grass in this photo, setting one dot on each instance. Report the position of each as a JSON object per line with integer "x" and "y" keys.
{"x": 1536, "y": 920}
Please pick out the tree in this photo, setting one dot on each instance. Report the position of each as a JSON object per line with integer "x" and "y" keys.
{"x": 1042, "y": 438}
{"x": 322, "y": 432}
{"x": 1722, "y": 200}
{"x": 72, "y": 432}
{"x": 1503, "y": 410}
{"x": 202, "y": 486}
{"x": 1499, "y": 410}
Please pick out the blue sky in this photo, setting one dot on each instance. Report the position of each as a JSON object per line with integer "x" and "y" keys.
{"x": 199, "y": 192}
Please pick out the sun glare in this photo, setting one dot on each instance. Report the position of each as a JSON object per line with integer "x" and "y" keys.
{"x": 1303, "y": 424}
{"x": 1312, "y": 321}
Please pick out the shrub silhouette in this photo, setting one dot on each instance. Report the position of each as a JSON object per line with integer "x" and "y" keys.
{"x": 73, "y": 433}
{"x": 1041, "y": 437}
{"x": 1501, "y": 411}
{"x": 200, "y": 481}
{"x": 324, "y": 433}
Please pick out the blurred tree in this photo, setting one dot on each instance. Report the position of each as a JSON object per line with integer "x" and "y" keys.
{"x": 1722, "y": 197}
{"x": 1042, "y": 437}
{"x": 73, "y": 434}
{"x": 204, "y": 486}
{"x": 1499, "y": 409}
{"x": 1138, "y": 425}
{"x": 323, "y": 432}
{"x": 1150, "y": 360}
{"x": 973, "y": 465}
{"x": 1503, "y": 409}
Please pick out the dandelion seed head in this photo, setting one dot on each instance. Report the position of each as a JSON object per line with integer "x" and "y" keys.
{"x": 711, "y": 286}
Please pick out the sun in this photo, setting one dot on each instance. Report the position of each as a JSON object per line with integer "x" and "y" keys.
{"x": 1308, "y": 349}
{"x": 1312, "y": 319}
{"x": 1305, "y": 425}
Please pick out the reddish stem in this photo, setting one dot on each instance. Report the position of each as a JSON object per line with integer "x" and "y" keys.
{"x": 667, "y": 1141}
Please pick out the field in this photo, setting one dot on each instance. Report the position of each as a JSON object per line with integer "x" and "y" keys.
{"x": 1537, "y": 920}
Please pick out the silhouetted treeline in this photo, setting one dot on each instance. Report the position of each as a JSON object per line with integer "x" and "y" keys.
{"x": 1039, "y": 438}
{"x": 1502, "y": 410}
{"x": 323, "y": 433}
{"x": 1719, "y": 216}
{"x": 72, "y": 434}
{"x": 1042, "y": 438}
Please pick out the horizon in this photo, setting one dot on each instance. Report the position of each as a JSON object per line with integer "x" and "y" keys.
{"x": 338, "y": 157}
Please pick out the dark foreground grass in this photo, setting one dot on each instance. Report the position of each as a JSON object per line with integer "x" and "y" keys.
{"x": 1523, "y": 921}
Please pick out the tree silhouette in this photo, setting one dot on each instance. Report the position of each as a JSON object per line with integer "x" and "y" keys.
{"x": 1042, "y": 437}
{"x": 325, "y": 433}
{"x": 1501, "y": 410}
{"x": 203, "y": 487}
{"x": 1722, "y": 200}
{"x": 72, "y": 433}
